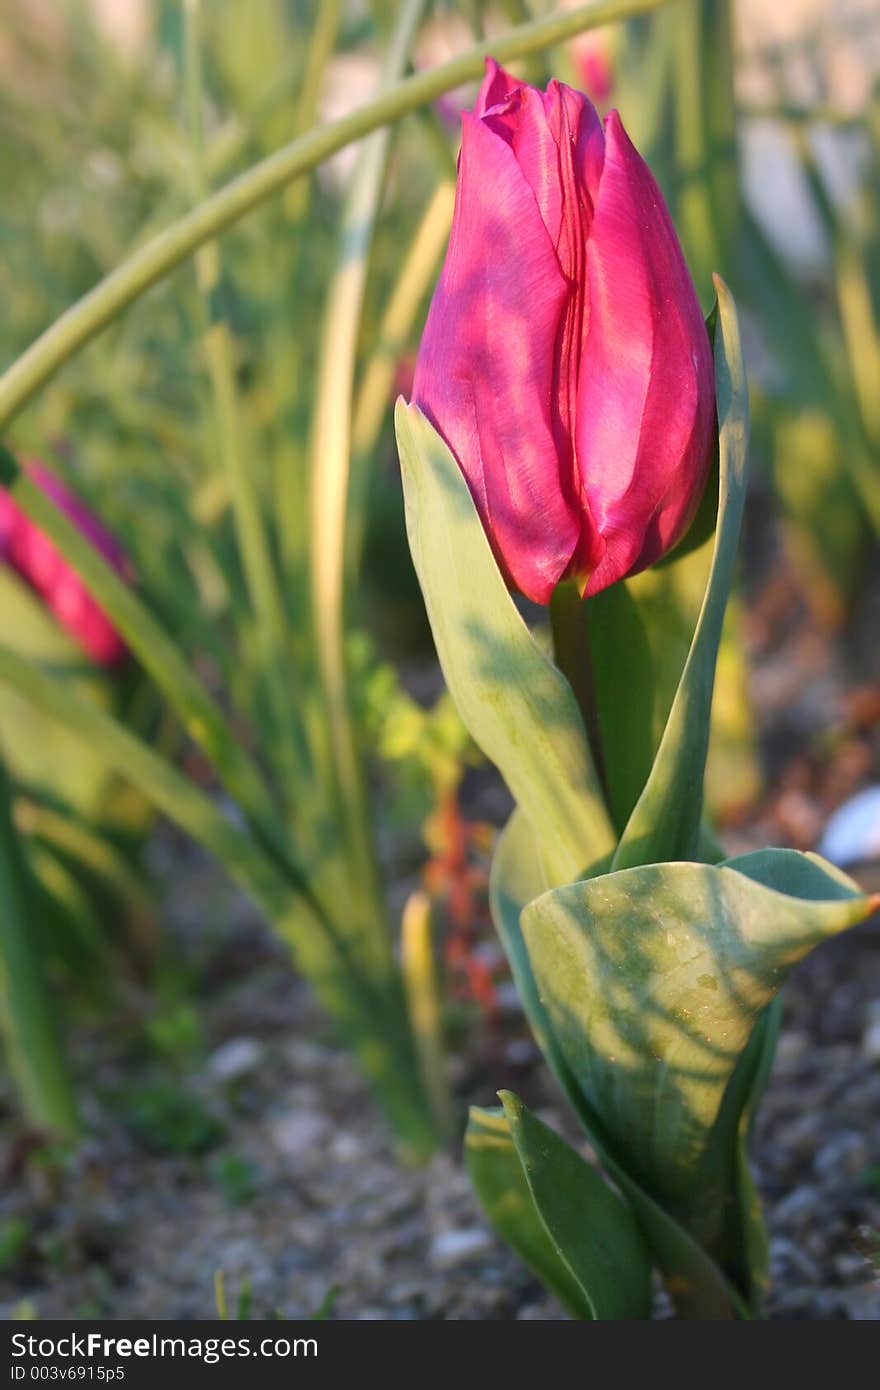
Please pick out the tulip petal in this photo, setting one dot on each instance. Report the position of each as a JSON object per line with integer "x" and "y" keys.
{"x": 558, "y": 141}
{"x": 521, "y": 121}
{"x": 497, "y": 86}
{"x": 485, "y": 373}
{"x": 645, "y": 400}
{"x": 29, "y": 552}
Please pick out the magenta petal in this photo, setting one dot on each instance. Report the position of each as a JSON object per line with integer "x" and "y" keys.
{"x": 522, "y": 123}
{"x": 578, "y": 131}
{"x": 485, "y": 371}
{"x": 559, "y": 145}
{"x": 645, "y": 405}
{"x": 497, "y": 86}
{"x": 25, "y": 548}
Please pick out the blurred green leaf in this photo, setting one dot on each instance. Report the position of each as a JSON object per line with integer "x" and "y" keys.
{"x": 28, "y": 1014}
{"x": 15, "y": 1237}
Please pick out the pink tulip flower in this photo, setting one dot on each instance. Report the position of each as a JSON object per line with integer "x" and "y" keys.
{"x": 565, "y": 360}
{"x": 25, "y": 548}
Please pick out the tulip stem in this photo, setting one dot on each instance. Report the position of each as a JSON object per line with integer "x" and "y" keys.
{"x": 571, "y": 652}
{"x": 151, "y": 262}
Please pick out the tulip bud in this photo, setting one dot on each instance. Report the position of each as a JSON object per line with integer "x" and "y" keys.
{"x": 565, "y": 360}
{"x": 25, "y": 548}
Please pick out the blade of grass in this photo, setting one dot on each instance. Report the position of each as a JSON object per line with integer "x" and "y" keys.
{"x": 322, "y": 42}
{"x": 861, "y": 333}
{"x": 423, "y": 1002}
{"x": 252, "y": 541}
{"x": 258, "y": 564}
{"x": 28, "y": 1017}
{"x": 92, "y": 849}
{"x": 373, "y": 401}
{"x": 329, "y": 475}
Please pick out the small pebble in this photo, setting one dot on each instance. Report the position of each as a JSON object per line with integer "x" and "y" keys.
{"x": 345, "y": 1147}
{"x": 786, "y": 1256}
{"x": 235, "y": 1059}
{"x": 798, "y": 1207}
{"x": 871, "y": 1041}
{"x": 450, "y": 1248}
{"x": 862, "y": 1303}
{"x": 844, "y": 1156}
{"x": 296, "y": 1133}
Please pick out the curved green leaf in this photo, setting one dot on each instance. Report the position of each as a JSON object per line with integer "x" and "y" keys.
{"x": 515, "y": 703}
{"x": 746, "y": 1253}
{"x": 692, "y": 1276}
{"x": 665, "y": 823}
{"x": 558, "y": 1213}
{"x": 652, "y": 980}
{"x": 592, "y": 1230}
{"x": 500, "y": 1183}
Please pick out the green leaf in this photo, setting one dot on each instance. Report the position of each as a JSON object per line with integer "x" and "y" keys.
{"x": 500, "y": 1183}
{"x": 592, "y": 1229}
{"x": 665, "y": 823}
{"x": 694, "y": 1279}
{"x": 28, "y": 1022}
{"x": 653, "y": 979}
{"x": 515, "y": 703}
{"x": 746, "y": 1252}
{"x": 556, "y": 1211}
{"x": 640, "y": 633}
{"x": 38, "y": 753}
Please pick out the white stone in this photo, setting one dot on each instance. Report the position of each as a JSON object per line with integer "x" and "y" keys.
{"x": 295, "y": 1133}
{"x": 235, "y": 1059}
{"x": 450, "y": 1248}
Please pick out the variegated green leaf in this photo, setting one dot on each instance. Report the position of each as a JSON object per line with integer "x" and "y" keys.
{"x": 597, "y": 1260}
{"x": 500, "y": 1183}
{"x": 695, "y": 1280}
{"x": 517, "y": 706}
{"x": 652, "y": 980}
